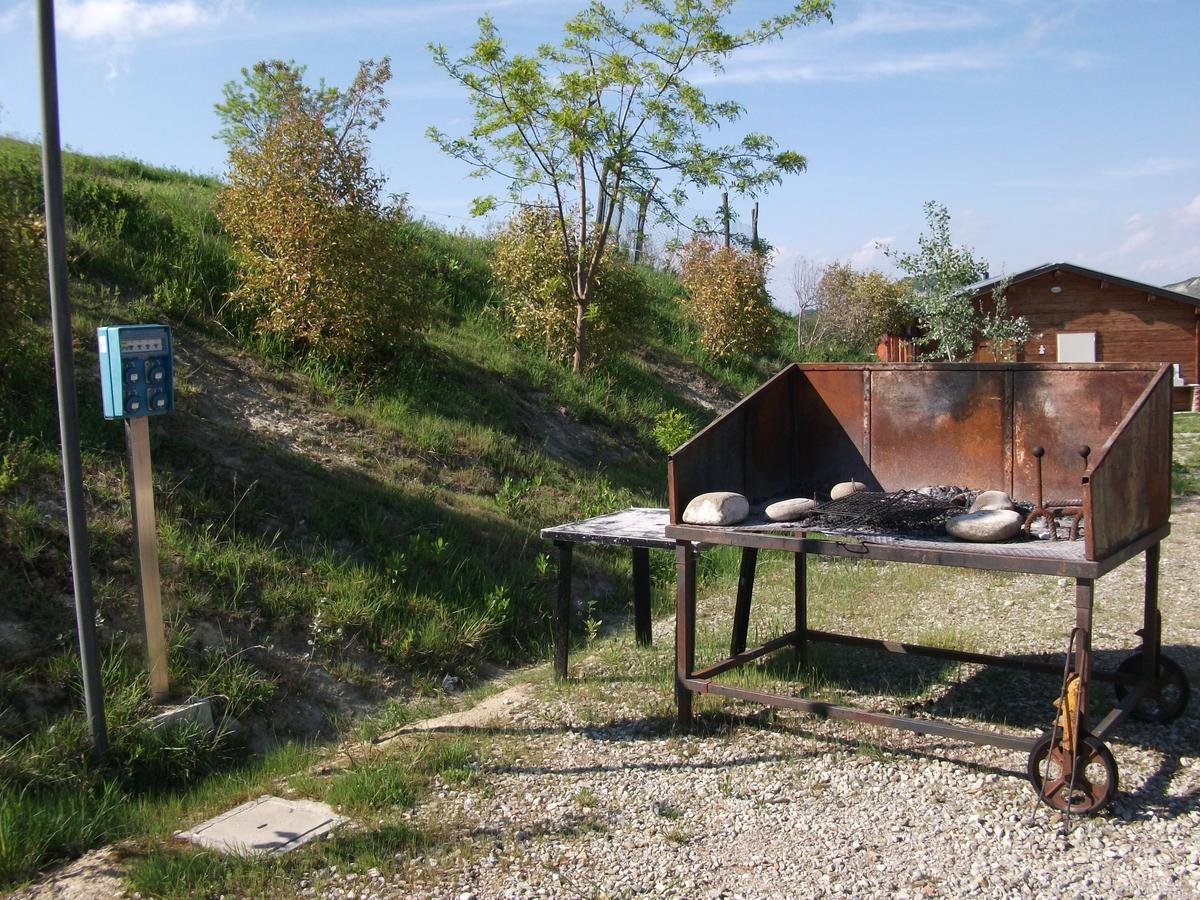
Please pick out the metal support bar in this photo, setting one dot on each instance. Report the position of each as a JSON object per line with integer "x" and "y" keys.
{"x": 1151, "y": 618}
{"x": 745, "y": 594}
{"x": 1118, "y": 714}
{"x": 1084, "y": 595}
{"x": 685, "y": 629}
{"x": 641, "y": 596}
{"x": 832, "y": 711}
{"x": 801, "y": 600}
{"x": 562, "y": 609}
{"x": 64, "y": 379}
{"x": 740, "y": 659}
{"x": 145, "y": 545}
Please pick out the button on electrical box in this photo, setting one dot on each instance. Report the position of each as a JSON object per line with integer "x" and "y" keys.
{"x": 136, "y": 370}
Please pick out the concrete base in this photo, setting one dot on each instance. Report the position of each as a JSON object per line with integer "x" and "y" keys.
{"x": 193, "y": 713}
{"x": 268, "y": 826}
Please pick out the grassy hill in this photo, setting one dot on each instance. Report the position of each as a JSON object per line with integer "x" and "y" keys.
{"x": 328, "y": 542}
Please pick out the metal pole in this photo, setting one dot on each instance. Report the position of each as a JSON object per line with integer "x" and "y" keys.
{"x": 64, "y": 377}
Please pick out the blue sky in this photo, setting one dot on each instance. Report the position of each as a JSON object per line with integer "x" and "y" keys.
{"x": 1051, "y": 130}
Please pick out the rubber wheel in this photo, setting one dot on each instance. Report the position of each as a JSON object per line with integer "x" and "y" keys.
{"x": 1170, "y": 695}
{"x": 1095, "y": 781}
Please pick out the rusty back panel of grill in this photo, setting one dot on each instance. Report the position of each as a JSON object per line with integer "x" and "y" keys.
{"x": 906, "y": 426}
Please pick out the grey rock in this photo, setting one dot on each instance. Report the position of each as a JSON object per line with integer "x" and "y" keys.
{"x": 985, "y": 526}
{"x": 845, "y": 489}
{"x": 717, "y": 508}
{"x": 992, "y": 500}
{"x": 452, "y": 684}
{"x": 790, "y": 510}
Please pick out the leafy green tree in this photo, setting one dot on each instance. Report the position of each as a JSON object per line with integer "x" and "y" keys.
{"x": 611, "y": 112}
{"x": 945, "y": 311}
{"x": 323, "y": 262}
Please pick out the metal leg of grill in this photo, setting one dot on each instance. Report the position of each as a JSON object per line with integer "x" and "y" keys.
{"x": 685, "y": 629}
{"x": 745, "y": 593}
{"x": 562, "y": 610}
{"x": 1151, "y": 619}
{"x": 641, "y": 595}
{"x": 1084, "y": 592}
{"x": 801, "y": 560}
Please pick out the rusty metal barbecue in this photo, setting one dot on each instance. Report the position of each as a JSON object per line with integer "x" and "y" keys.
{"x": 899, "y": 427}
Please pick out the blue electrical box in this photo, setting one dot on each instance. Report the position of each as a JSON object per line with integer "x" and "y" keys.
{"x": 136, "y": 370}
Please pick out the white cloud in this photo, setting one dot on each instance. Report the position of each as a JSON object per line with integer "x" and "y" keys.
{"x": 906, "y": 18}
{"x": 1161, "y": 246}
{"x": 865, "y": 69}
{"x": 871, "y": 254}
{"x": 1136, "y": 241}
{"x": 123, "y": 22}
{"x": 1150, "y": 167}
{"x": 11, "y": 16}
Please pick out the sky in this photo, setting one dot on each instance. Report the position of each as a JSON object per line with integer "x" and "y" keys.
{"x": 1052, "y": 131}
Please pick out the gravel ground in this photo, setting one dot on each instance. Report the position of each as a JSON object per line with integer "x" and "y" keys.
{"x": 589, "y": 793}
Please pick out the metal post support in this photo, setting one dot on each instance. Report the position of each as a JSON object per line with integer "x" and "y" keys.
{"x": 641, "y": 596}
{"x": 1084, "y": 593}
{"x": 745, "y": 594}
{"x": 1151, "y": 618}
{"x": 145, "y": 544}
{"x": 64, "y": 377}
{"x": 801, "y": 607}
{"x": 562, "y": 610}
{"x": 685, "y": 629}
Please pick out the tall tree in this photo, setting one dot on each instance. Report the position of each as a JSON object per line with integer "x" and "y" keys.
{"x": 939, "y": 275}
{"x": 607, "y": 112}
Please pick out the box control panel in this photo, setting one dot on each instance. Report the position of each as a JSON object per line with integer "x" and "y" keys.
{"x": 136, "y": 370}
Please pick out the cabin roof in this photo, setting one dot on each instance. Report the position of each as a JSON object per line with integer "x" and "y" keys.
{"x": 1016, "y": 278}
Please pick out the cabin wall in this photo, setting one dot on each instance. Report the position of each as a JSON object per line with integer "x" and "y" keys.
{"x": 1130, "y": 325}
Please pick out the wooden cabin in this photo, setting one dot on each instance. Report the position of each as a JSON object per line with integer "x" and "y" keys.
{"x": 1081, "y": 315}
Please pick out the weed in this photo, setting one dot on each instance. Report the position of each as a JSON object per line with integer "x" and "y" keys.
{"x": 586, "y": 798}
{"x": 667, "y": 811}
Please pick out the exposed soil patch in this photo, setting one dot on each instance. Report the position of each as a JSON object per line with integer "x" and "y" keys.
{"x": 692, "y": 384}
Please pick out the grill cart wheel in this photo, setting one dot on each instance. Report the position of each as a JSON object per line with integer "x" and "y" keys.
{"x": 1095, "y": 781}
{"x": 1170, "y": 693}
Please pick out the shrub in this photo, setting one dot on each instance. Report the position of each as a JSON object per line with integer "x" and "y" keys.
{"x": 322, "y": 263}
{"x": 672, "y": 428}
{"x": 727, "y": 298}
{"x": 530, "y": 273}
{"x": 22, "y": 268}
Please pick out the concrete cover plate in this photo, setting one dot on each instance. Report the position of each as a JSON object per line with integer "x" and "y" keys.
{"x": 268, "y": 826}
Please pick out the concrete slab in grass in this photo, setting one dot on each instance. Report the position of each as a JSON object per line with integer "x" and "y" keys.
{"x": 268, "y": 826}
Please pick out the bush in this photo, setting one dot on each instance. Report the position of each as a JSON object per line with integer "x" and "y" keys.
{"x": 22, "y": 267}
{"x": 672, "y": 428}
{"x": 530, "y": 272}
{"x": 322, "y": 264}
{"x": 727, "y": 298}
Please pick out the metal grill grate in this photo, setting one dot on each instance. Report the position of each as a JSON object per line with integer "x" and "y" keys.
{"x": 893, "y": 510}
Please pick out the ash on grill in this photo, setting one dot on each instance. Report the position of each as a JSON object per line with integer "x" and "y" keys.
{"x": 919, "y": 513}
{"x": 908, "y": 511}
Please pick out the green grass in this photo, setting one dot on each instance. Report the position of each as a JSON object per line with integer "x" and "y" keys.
{"x": 375, "y": 791}
{"x": 1185, "y": 468}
